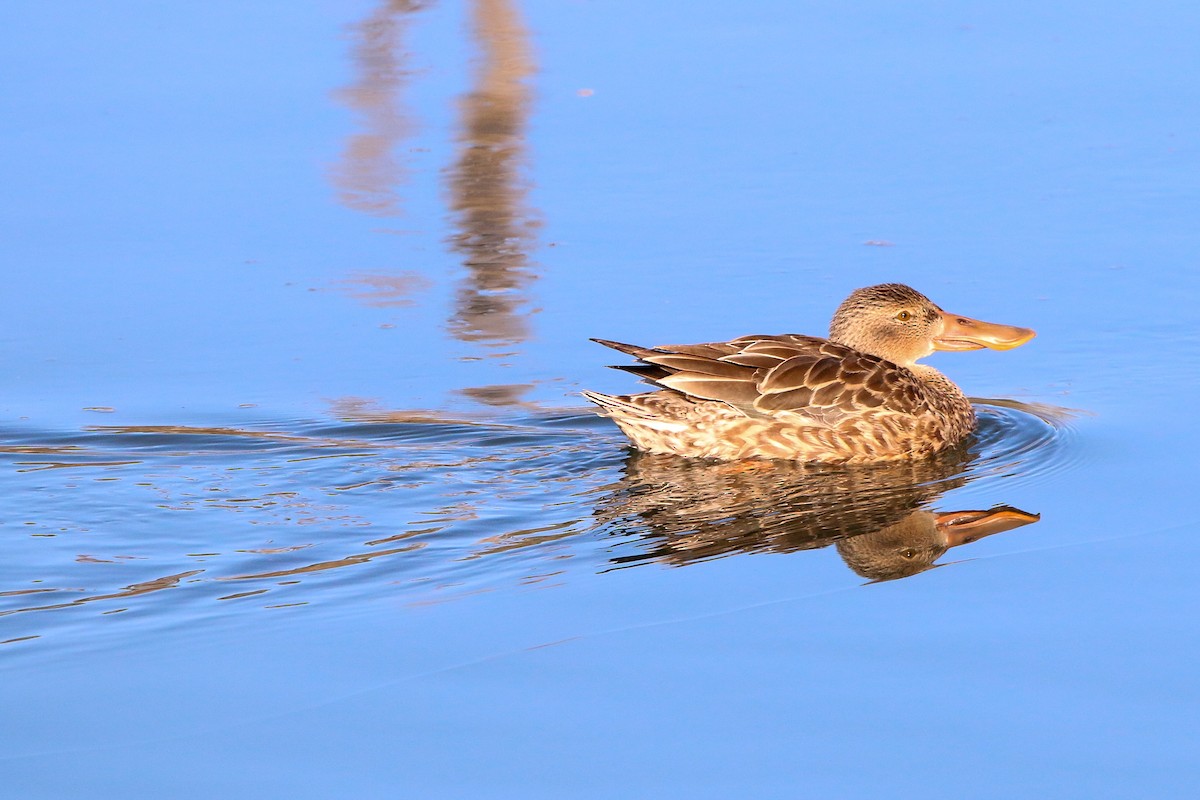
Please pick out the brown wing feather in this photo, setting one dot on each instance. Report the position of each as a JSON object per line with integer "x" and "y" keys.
{"x": 683, "y": 363}
{"x": 753, "y": 360}
{"x": 705, "y": 350}
{"x": 838, "y": 381}
{"x": 783, "y": 373}
{"x": 741, "y": 394}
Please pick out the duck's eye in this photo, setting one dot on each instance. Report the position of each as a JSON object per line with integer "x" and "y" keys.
{"x": 904, "y": 316}
{"x": 909, "y": 553}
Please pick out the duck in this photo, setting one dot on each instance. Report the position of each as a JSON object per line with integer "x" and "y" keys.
{"x": 856, "y": 397}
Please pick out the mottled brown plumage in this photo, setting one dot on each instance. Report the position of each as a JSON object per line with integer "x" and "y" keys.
{"x": 856, "y": 397}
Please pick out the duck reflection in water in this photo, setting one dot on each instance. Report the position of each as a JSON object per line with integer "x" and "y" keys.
{"x": 877, "y": 517}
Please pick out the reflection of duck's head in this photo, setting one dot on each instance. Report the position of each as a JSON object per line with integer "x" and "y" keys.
{"x": 915, "y": 542}
{"x": 898, "y": 323}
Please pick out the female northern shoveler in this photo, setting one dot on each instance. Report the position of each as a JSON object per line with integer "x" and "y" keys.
{"x": 858, "y": 396}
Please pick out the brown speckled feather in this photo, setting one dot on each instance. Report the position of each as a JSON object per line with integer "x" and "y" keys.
{"x": 786, "y": 396}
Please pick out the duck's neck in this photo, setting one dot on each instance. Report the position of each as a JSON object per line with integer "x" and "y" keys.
{"x": 944, "y": 393}
{"x": 934, "y": 378}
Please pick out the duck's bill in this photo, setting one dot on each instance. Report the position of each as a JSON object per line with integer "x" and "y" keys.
{"x": 964, "y": 333}
{"x": 961, "y": 527}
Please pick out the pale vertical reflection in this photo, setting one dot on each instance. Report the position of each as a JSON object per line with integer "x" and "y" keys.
{"x": 369, "y": 171}
{"x": 494, "y": 229}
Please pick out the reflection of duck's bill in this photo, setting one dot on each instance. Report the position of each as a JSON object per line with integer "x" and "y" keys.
{"x": 964, "y": 333}
{"x": 961, "y": 527}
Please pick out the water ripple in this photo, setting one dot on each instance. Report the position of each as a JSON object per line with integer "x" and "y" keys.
{"x": 1025, "y": 442}
{"x": 175, "y": 521}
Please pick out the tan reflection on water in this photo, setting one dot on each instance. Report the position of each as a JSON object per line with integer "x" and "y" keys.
{"x": 688, "y": 510}
{"x": 133, "y": 590}
{"x": 369, "y": 172}
{"x": 322, "y": 566}
{"x": 505, "y": 394}
{"x": 494, "y": 226}
{"x": 37, "y": 466}
{"x": 316, "y": 443}
{"x": 365, "y": 409}
{"x": 394, "y": 290}
{"x": 40, "y": 449}
{"x": 193, "y": 430}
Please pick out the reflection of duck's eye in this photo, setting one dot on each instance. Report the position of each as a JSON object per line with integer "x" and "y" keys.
{"x": 909, "y": 553}
{"x": 904, "y": 316}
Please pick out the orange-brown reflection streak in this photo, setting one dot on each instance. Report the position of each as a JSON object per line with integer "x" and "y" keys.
{"x": 368, "y": 172}
{"x": 322, "y": 566}
{"x": 507, "y": 394}
{"x": 385, "y": 291}
{"x": 37, "y": 466}
{"x": 191, "y": 430}
{"x": 364, "y": 409}
{"x": 494, "y": 226}
{"x": 244, "y": 433}
{"x": 37, "y": 449}
{"x": 145, "y": 587}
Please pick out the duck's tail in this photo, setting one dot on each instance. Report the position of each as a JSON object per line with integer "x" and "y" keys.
{"x": 638, "y": 415}
{"x": 612, "y": 406}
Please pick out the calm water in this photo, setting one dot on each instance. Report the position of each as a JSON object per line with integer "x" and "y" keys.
{"x": 298, "y": 496}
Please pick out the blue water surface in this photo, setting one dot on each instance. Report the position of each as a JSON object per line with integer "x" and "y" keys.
{"x": 297, "y": 493}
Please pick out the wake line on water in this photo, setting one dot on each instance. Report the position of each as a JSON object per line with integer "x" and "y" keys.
{"x": 525, "y": 650}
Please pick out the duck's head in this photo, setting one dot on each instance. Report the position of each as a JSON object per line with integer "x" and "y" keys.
{"x": 896, "y": 322}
